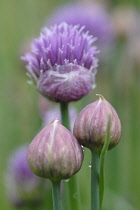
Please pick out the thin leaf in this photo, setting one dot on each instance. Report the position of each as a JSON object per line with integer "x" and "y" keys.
{"x": 102, "y": 160}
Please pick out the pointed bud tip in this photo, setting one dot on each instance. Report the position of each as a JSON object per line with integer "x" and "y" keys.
{"x": 100, "y": 97}
{"x": 55, "y": 121}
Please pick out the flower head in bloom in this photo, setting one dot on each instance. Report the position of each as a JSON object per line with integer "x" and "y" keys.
{"x": 22, "y": 185}
{"x": 91, "y": 15}
{"x": 62, "y": 62}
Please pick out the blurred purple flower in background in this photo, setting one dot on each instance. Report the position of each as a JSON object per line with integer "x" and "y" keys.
{"x": 54, "y": 113}
{"x": 126, "y": 21}
{"x": 44, "y": 105}
{"x": 91, "y": 15}
{"x": 21, "y": 184}
{"x": 62, "y": 62}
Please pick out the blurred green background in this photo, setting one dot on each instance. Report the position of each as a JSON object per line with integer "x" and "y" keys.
{"x": 117, "y": 79}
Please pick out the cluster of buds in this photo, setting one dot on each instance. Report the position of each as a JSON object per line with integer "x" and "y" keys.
{"x": 62, "y": 64}
{"x": 55, "y": 153}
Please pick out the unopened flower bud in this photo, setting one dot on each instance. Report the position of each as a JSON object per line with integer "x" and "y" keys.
{"x": 91, "y": 125}
{"x": 55, "y": 153}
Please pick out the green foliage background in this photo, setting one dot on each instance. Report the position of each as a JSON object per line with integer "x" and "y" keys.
{"x": 20, "y": 120}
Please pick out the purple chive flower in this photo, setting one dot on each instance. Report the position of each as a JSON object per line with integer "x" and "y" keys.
{"x": 91, "y": 15}
{"x": 54, "y": 113}
{"x": 62, "y": 62}
{"x": 23, "y": 187}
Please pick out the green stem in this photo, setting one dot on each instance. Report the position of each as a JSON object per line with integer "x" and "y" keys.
{"x": 95, "y": 162}
{"x": 57, "y": 203}
{"x": 65, "y": 115}
{"x": 102, "y": 160}
{"x": 73, "y": 193}
{"x": 66, "y": 202}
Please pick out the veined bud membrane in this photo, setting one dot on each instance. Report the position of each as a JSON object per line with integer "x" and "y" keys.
{"x": 91, "y": 125}
{"x": 55, "y": 153}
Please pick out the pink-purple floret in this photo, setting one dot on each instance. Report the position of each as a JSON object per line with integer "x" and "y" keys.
{"x": 56, "y": 55}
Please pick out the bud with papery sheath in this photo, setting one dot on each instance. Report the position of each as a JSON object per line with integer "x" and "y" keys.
{"x": 90, "y": 127}
{"x": 55, "y": 153}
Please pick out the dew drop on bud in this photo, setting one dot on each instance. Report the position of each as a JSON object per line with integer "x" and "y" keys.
{"x": 89, "y": 165}
{"x": 67, "y": 180}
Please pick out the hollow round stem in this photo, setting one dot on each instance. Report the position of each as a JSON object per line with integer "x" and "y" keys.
{"x": 102, "y": 160}
{"x": 57, "y": 203}
{"x": 95, "y": 163}
{"x": 73, "y": 193}
{"x": 65, "y": 115}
